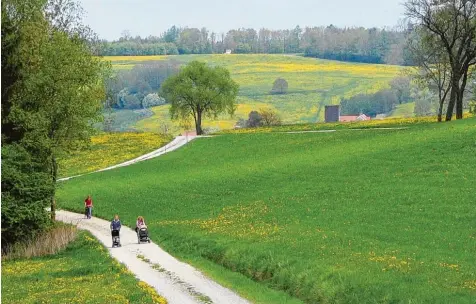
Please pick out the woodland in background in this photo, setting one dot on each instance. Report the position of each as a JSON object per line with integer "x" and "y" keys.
{"x": 385, "y": 46}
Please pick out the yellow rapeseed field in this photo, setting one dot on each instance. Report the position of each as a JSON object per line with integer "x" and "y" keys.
{"x": 108, "y": 149}
{"x": 313, "y": 83}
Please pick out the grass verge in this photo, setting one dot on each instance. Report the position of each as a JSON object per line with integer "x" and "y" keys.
{"x": 50, "y": 242}
{"x": 82, "y": 273}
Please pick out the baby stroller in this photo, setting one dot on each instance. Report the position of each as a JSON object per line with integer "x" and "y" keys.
{"x": 142, "y": 234}
{"x": 116, "y": 240}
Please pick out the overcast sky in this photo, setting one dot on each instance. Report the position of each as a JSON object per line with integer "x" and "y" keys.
{"x": 109, "y": 18}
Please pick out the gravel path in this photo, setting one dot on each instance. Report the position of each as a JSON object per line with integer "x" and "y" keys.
{"x": 178, "y": 282}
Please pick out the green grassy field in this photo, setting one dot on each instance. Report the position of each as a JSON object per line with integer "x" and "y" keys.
{"x": 404, "y": 110}
{"x": 313, "y": 83}
{"x": 352, "y": 216}
{"x": 82, "y": 273}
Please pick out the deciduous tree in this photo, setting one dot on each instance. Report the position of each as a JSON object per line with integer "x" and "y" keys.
{"x": 451, "y": 26}
{"x": 199, "y": 90}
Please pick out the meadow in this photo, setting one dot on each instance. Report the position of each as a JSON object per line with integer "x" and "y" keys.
{"x": 313, "y": 83}
{"x": 108, "y": 149}
{"x": 352, "y": 216}
{"x": 82, "y": 273}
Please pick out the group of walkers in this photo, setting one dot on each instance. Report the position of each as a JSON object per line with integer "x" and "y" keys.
{"x": 115, "y": 223}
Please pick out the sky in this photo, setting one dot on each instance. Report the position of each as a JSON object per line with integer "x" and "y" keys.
{"x": 110, "y": 18}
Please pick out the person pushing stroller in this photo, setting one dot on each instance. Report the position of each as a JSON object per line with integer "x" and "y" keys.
{"x": 141, "y": 230}
{"x": 115, "y": 228}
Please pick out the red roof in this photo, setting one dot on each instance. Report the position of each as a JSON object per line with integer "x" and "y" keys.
{"x": 345, "y": 118}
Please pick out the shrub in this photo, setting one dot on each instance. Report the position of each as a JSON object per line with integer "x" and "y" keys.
{"x": 152, "y": 100}
{"x": 26, "y": 192}
{"x": 241, "y": 123}
{"x": 254, "y": 120}
{"x": 280, "y": 86}
{"x": 269, "y": 117}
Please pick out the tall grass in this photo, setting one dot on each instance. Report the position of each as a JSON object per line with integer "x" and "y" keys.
{"x": 50, "y": 242}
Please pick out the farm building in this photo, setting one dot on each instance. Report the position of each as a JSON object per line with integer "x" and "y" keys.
{"x": 347, "y": 118}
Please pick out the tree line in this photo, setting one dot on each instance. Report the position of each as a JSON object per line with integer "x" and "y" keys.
{"x": 356, "y": 44}
{"x": 52, "y": 93}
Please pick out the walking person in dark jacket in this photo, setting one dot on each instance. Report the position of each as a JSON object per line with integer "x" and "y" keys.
{"x": 115, "y": 228}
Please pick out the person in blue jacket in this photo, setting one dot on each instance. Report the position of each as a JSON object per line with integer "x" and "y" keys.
{"x": 115, "y": 227}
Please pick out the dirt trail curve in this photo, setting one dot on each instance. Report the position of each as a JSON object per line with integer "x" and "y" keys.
{"x": 178, "y": 282}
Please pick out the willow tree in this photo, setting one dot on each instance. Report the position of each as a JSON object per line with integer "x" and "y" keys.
{"x": 199, "y": 90}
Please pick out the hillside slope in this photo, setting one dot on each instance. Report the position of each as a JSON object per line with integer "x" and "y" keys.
{"x": 352, "y": 216}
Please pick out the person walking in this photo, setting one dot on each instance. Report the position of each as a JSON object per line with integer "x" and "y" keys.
{"x": 88, "y": 205}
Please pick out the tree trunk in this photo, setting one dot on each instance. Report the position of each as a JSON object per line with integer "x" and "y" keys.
{"x": 459, "y": 100}
{"x": 459, "y": 107}
{"x": 54, "y": 173}
{"x": 440, "y": 112}
{"x": 451, "y": 104}
{"x": 198, "y": 123}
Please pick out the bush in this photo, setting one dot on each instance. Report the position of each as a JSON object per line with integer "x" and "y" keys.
{"x": 280, "y": 86}
{"x": 26, "y": 192}
{"x": 254, "y": 120}
{"x": 152, "y": 100}
{"x": 269, "y": 117}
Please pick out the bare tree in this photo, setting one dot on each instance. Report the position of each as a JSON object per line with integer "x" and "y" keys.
{"x": 451, "y": 24}
{"x": 433, "y": 68}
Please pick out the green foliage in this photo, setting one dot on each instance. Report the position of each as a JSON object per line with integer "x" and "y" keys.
{"x": 280, "y": 86}
{"x": 129, "y": 88}
{"x": 346, "y": 44}
{"x": 52, "y": 98}
{"x": 265, "y": 117}
{"x": 370, "y": 104}
{"x": 26, "y": 191}
{"x": 339, "y": 217}
{"x": 401, "y": 86}
{"x": 199, "y": 90}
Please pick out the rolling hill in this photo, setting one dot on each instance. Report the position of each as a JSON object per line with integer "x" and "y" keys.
{"x": 313, "y": 83}
{"x": 351, "y": 216}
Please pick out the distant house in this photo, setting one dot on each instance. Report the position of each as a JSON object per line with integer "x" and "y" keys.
{"x": 228, "y": 52}
{"x": 380, "y": 116}
{"x": 363, "y": 117}
{"x": 348, "y": 118}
